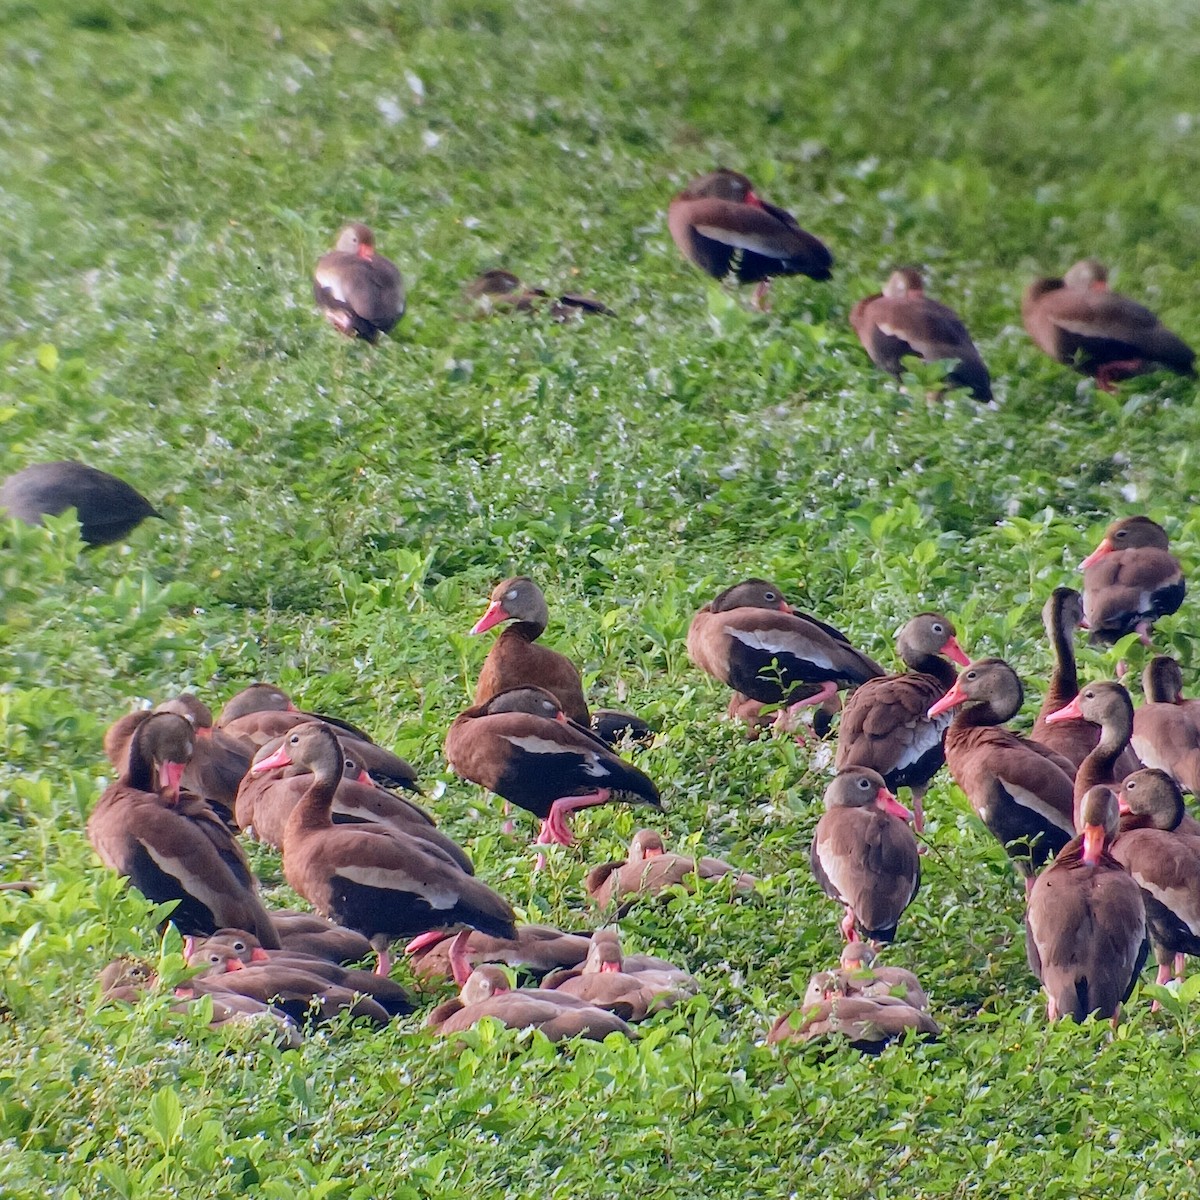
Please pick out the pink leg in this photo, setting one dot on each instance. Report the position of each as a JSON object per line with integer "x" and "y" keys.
{"x": 1028, "y": 885}
{"x": 425, "y": 939}
{"x": 1112, "y": 372}
{"x": 1143, "y": 632}
{"x": 556, "y": 822}
{"x": 918, "y": 795}
{"x": 1051, "y": 1010}
{"x": 1180, "y": 966}
{"x": 848, "y": 930}
{"x": 508, "y": 826}
{"x": 762, "y": 296}
{"x": 460, "y": 962}
{"x": 786, "y": 717}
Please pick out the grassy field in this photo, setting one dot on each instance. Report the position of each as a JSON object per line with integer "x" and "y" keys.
{"x": 337, "y": 514}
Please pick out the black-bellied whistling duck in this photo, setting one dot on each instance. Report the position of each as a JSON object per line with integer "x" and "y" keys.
{"x": 753, "y": 641}
{"x": 371, "y": 878}
{"x": 537, "y": 949}
{"x": 859, "y": 976}
{"x": 262, "y": 712}
{"x": 1085, "y": 924}
{"x": 1073, "y": 738}
{"x": 867, "y": 1024}
{"x": 219, "y": 762}
{"x": 107, "y": 507}
{"x": 1166, "y": 729}
{"x": 720, "y": 224}
{"x": 1078, "y": 321}
{"x": 129, "y": 979}
{"x": 602, "y": 979}
{"x": 1107, "y": 705}
{"x": 360, "y": 293}
{"x": 499, "y": 290}
{"x": 1020, "y": 790}
{"x": 487, "y": 993}
{"x": 1165, "y": 864}
{"x": 214, "y": 955}
{"x": 885, "y": 723}
{"x": 649, "y": 868}
{"x": 1159, "y": 792}
{"x": 266, "y": 799}
{"x": 520, "y": 745}
{"x": 864, "y": 855}
{"x": 516, "y": 659}
{"x": 901, "y": 321}
{"x": 307, "y": 933}
{"x": 1130, "y": 580}
{"x": 173, "y": 846}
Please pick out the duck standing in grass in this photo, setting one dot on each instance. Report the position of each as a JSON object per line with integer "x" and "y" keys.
{"x": 359, "y": 291}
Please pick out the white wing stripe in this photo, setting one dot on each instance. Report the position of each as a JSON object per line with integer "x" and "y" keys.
{"x": 1035, "y": 803}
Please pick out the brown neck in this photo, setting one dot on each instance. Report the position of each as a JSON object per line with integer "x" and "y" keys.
{"x": 976, "y": 714}
{"x": 1114, "y": 737}
{"x": 942, "y": 669}
{"x": 1064, "y": 680}
{"x": 315, "y": 808}
{"x": 527, "y": 631}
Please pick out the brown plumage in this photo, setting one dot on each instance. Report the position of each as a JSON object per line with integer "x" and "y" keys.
{"x": 307, "y": 933}
{"x": 266, "y": 799}
{"x": 1160, "y": 792}
{"x": 1078, "y": 321}
{"x": 868, "y": 1025}
{"x": 604, "y": 980}
{"x": 752, "y": 640}
{"x": 885, "y": 723}
{"x": 1020, "y": 790}
{"x": 1108, "y": 706}
{"x": 1130, "y": 580}
{"x": 723, "y": 227}
{"x": 520, "y": 745}
{"x": 1085, "y": 924}
{"x": 217, "y": 954}
{"x": 859, "y": 976}
{"x": 371, "y": 878}
{"x": 537, "y": 949}
{"x": 516, "y": 659}
{"x": 360, "y": 293}
{"x": 1073, "y": 738}
{"x": 487, "y": 993}
{"x": 901, "y": 321}
{"x": 173, "y": 846}
{"x": 649, "y": 869}
{"x": 864, "y": 855}
{"x": 107, "y": 507}
{"x": 1165, "y": 864}
{"x": 1166, "y": 729}
{"x": 498, "y": 290}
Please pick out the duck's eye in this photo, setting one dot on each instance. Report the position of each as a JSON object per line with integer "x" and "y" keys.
{"x": 1121, "y": 532}
{"x": 938, "y": 628}
{"x": 970, "y": 675}
{"x": 294, "y": 739}
{"x": 214, "y": 958}
{"x": 864, "y": 783}
{"x": 770, "y": 596}
{"x": 511, "y": 594}
{"x": 239, "y": 947}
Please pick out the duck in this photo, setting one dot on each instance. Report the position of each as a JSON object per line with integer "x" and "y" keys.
{"x": 753, "y": 641}
{"x": 722, "y": 226}
{"x": 867, "y": 1024}
{"x": 371, "y": 878}
{"x": 306, "y": 933}
{"x": 521, "y": 745}
{"x": 864, "y": 855}
{"x": 262, "y": 712}
{"x": 216, "y": 955}
{"x": 498, "y": 290}
{"x": 1166, "y": 866}
{"x": 1130, "y": 580}
{"x": 649, "y": 869}
{"x": 1078, "y": 321}
{"x": 1160, "y": 792}
{"x": 859, "y": 976}
{"x": 1085, "y": 921}
{"x": 1109, "y": 706}
{"x": 488, "y": 993}
{"x": 901, "y": 321}
{"x": 516, "y": 659}
{"x": 884, "y": 723}
{"x": 108, "y": 508}
{"x": 172, "y": 846}
{"x": 360, "y": 293}
{"x": 1166, "y": 729}
{"x": 604, "y": 980}
{"x": 266, "y": 799}
{"x": 536, "y": 949}
{"x": 1073, "y": 738}
{"x": 1023, "y": 792}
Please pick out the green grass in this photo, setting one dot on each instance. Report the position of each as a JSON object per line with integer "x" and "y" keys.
{"x": 337, "y": 515}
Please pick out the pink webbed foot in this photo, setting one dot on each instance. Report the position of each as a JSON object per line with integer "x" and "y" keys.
{"x": 848, "y": 923}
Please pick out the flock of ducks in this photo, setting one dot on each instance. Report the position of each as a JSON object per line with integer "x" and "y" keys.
{"x": 1090, "y": 810}
{"x": 1090, "y": 807}
{"x": 721, "y": 224}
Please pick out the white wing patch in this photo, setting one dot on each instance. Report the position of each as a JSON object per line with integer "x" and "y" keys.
{"x": 829, "y": 864}
{"x": 745, "y": 241}
{"x": 1035, "y": 803}
{"x": 332, "y": 283}
{"x": 538, "y": 745}
{"x": 774, "y": 641}
{"x": 925, "y": 738}
{"x": 195, "y": 884}
{"x": 1177, "y": 900}
{"x": 395, "y": 879}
